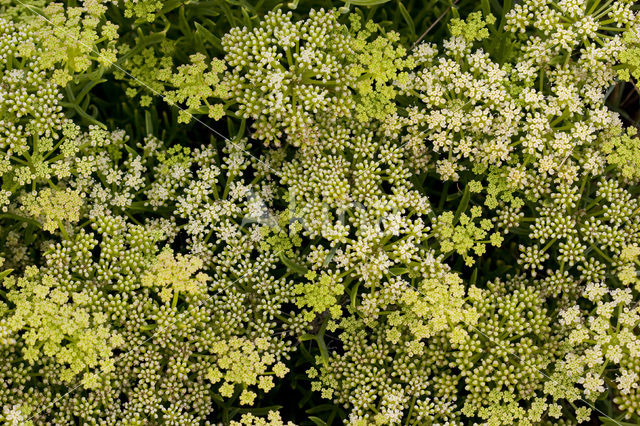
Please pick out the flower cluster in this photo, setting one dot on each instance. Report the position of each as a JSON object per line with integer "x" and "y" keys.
{"x": 384, "y": 229}
{"x": 284, "y": 73}
{"x": 226, "y": 351}
{"x": 605, "y": 345}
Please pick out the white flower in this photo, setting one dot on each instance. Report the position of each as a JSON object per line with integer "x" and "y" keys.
{"x": 592, "y": 383}
{"x": 570, "y": 315}
{"x": 13, "y": 415}
{"x": 627, "y": 380}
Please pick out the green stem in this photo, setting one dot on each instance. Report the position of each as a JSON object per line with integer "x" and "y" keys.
{"x": 62, "y": 230}
{"x": 20, "y": 218}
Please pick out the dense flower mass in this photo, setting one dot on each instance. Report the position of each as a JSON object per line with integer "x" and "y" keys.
{"x": 354, "y": 212}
